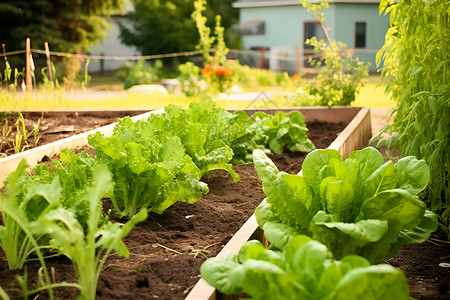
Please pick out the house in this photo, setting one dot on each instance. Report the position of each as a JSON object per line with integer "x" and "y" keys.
{"x": 112, "y": 45}
{"x": 280, "y": 28}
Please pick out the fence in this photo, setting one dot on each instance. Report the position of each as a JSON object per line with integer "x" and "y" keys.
{"x": 260, "y": 58}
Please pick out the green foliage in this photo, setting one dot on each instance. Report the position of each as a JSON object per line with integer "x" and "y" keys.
{"x": 61, "y": 210}
{"x": 285, "y": 131}
{"x": 277, "y": 133}
{"x": 360, "y": 205}
{"x": 167, "y": 27}
{"x": 150, "y": 167}
{"x": 416, "y": 73}
{"x": 221, "y": 49}
{"x": 305, "y": 270}
{"x": 206, "y": 40}
{"x": 316, "y": 8}
{"x": 88, "y": 250}
{"x": 27, "y": 199}
{"x": 205, "y": 131}
{"x": 189, "y": 78}
{"x": 218, "y": 77}
{"x": 160, "y": 27}
{"x": 75, "y": 176}
{"x": 66, "y": 25}
{"x": 339, "y": 74}
{"x": 15, "y": 136}
{"x": 248, "y": 77}
{"x": 138, "y": 73}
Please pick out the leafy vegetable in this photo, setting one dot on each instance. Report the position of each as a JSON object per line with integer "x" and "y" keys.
{"x": 75, "y": 175}
{"x": 67, "y": 234}
{"x": 284, "y": 131}
{"x": 254, "y": 138}
{"x": 360, "y": 205}
{"x": 27, "y": 200}
{"x": 31, "y": 198}
{"x": 205, "y": 131}
{"x": 275, "y": 133}
{"x": 305, "y": 270}
{"x": 150, "y": 167}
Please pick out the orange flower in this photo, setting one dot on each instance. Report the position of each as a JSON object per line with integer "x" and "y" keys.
{"x": 319, "y": 19}
{"x": 223, "y": 71}
{"x": 352, "y": 51}
{"x": 296, "y": 78}
{"x": 207, "y": 70}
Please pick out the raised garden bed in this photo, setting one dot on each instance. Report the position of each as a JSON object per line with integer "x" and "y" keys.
{"x": 165, "y": 260}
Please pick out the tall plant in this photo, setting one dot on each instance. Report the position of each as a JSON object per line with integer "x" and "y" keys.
{"x": 416, "y": 73}
{"x": 206, "y": 40}
{"x": 339, "y": 73}
{"x": 216, "y": 73}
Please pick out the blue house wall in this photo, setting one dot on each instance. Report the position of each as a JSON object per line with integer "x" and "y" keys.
{"x": 284, "y": 29}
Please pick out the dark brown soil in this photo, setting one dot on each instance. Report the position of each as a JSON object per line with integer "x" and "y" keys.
{"x": 51, "y": 127}
{"x": 167, "y": 250}
{"x": 427, "y": 267}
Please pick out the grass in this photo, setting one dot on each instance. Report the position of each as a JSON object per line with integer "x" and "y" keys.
{"x": 107, "y": 82}
{"x": 107, "y": 92}
{"x": 372, "y": 95}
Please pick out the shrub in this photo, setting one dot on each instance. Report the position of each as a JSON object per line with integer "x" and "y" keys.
{"x": 339, "y": 74}
{"x": 138, "y": 73}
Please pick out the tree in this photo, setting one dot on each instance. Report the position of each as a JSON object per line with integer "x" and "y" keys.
{"x": 161, "y": 26}
{"x": 67, "y": 25}
{"x": 166, "y": 26}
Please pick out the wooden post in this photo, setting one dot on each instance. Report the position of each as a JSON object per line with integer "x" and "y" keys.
{"x": 6, "y": 63}
{"x": 102, "y": 65}
{"x": 261, "y": 59}
{"x": 28, "y": 66}
{"x": 49, "y": 64}
{"x": 297, "y": 57}
{"x": 4, "y": 53}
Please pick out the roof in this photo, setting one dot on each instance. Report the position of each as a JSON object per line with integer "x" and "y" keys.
{"x": 265, "y": 3}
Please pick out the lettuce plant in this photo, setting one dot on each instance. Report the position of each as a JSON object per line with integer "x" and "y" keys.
{"x": 27, "y": 200}
{"x": 150, "y": 167}
{"x": 284, "y": 131}
{"x": 75, "y": 175}
{"x": 305, "y": 270}
{"x": 277, "y": 133}
{"x": 360, "y": 205}
{"x": 87, "y": 249}
{"x": 205, "y": 131}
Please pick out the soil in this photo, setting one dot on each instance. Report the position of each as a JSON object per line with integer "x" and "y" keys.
{"x": 167, "y": 250}
{"x": 51, "y": 127}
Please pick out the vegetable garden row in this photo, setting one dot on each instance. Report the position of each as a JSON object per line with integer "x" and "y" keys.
{"x": 356, "y": 211}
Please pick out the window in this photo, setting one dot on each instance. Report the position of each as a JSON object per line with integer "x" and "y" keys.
{"x": 311, "y": 29}
{"x": 360, "y": 34}
{"x": 253, "y": 27}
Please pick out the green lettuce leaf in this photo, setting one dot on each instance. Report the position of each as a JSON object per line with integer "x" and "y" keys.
{"x": 359, "y": 205}
{"x": 150, "y": 167}
{"x": 306, "y": 269}
{"x": 205, "y": 131}
{"x": 283, "y": 199}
